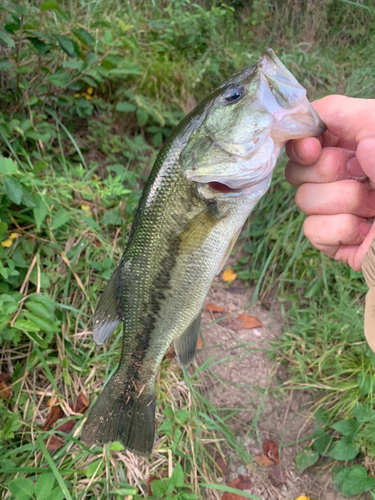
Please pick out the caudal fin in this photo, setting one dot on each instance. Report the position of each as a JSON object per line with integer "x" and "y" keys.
{"x": 121, "y": 414}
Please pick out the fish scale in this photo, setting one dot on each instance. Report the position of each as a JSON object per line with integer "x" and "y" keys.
{"x": 195, "y": 202}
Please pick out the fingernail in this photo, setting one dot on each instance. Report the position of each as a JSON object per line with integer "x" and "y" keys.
{"x": 364, "y": 227}
{"x": 354, "y": 168}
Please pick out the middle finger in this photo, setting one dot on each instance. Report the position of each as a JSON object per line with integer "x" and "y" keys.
{"x": 344, "y": 197}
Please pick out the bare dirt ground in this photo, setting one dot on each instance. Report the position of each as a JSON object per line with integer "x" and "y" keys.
{"x": 251, "y": 380}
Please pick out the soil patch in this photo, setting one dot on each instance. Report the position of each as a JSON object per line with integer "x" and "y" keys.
{"x": 248, "y": 378}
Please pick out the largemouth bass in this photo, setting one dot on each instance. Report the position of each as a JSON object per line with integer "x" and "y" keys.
{"x": 209, "y": 175}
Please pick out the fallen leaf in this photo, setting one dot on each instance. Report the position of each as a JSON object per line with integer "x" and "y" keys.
{"x": 81, "y": 404}
{"x": 245, "y": 483}
{"x": 54, "y": 443}
{"x": 54, "y": 414}
{"x": 213, "y": 308}
{"x": 223, "y": 465}
{"x": 170, "y": 354}
{"x": 148, "y": 484}
{"x": 303, "y": 498}
{"x": 5, "y": 389}
{"x": 232, "y": 496}
{"x": 264, "y": 460}
{"x": 237, "y": 325}
{"x": 66, "y": 427}
{"x": 229, "y": 275}
{"x": 250, "y": 321}
{"x": 276, "y": 474}
{"x": 199, "y": 343}
{"x": 271, "y": 450}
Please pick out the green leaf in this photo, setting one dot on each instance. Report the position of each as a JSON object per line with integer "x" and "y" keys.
{"x": 357, "y": 481}
{"x": 158, "y": 488}
{"x": 23, "y": 324}
{"x": 321, "y": 442}
{"x": 13, "y": 189}
{"x": 305, "y": 459}
{"x": 3, "y": 229}
{"x": 83, "y": 36}
{"x": 28, "y": 198}
{"x": 40, "y": 212}
{"x": 59, "y": 78}
{"x": 56, "y": 494}
{"x": 344, "y": 450}
{"x": 142, "y": 117}
{"x": 41, "y": 47}
{"x": 39, "y": 166}
{"x": 21, "y": 488}
{"x": 7, "y": 166}
{"x": 364, "y": 413}
{"x": 116, "y": 446}
{"x": 61, "y": 218}
{"x": 11, "y": 425}
{"x": 67, "y": 45}
{"x": 43, "y": 323}
{"x": 125, "y": 107}
{"x": 49, "y": 5}
{"x": 112, "y": 217}
{"x": 94, "y": 467}
{"x": 44, "y": 485}
{"x": 39, "y": 309}
{"x": 177, "y": 477}
{"x": 7, "y": 39}
{"x": 346, "y": 427}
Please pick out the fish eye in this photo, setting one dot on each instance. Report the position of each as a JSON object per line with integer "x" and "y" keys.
{"x": 233, "y": 94}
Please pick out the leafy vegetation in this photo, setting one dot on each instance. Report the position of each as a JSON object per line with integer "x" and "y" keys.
{"x": 88, "y": 93}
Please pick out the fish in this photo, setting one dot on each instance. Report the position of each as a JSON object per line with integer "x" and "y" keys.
{"x": 210, "y": 173}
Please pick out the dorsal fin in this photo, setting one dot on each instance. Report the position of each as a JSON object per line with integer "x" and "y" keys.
{"x": 107, "y": 315}
{"x": 185, "y": 345}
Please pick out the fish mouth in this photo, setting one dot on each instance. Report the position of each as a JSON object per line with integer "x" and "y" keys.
{"x": 219, "y": 187}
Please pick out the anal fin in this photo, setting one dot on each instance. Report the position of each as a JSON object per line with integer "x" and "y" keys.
{"x": 185, "y": 345}
{"x": 106, "y": 316}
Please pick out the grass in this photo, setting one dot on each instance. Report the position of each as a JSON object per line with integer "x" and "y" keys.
{"x": 89, "y": 91}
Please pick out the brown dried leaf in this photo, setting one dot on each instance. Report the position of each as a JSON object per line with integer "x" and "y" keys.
{"x": 148, "y": 484}
{"x": 245, "y": 483}
{"x": 232, "y": 496}
{"x": 271, "y": 450}
{"x": 223, "y": 465}
{"x": 66, "y": 427}
{"x": 170, "y": 354}
{"x": 199, "y": 343}
{"x": 250, "y": 321}
{"x": 276, "y": 474}
{"x": 213, "y": 308}
{"x": 81, "y": 404}
{"x": 237, "y": 325}
{"x": 264, "y": 460}
{"x": 5, "y": 389}
{"x": 54, "y": 443}
{"x": 54, "y": 414}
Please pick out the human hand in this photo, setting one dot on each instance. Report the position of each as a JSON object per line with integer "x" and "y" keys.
{"x": 335, "y": 176}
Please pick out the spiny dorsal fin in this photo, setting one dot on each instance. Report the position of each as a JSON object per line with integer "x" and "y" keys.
{"x": 368, "y": 269}
{"x": 107, "y": 315}
{"x": 185, "y": 345}
{"x": 197, "y": 230}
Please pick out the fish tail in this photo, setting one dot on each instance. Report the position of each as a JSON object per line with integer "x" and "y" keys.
{"x": 122, "y": 414}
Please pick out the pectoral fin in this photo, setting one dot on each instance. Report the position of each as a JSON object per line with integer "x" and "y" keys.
{"x": 229, "y": 249}
{"x": 197, "y": 230}
{"x": 185, "y": 345}
{"x": 107, "y": 315}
